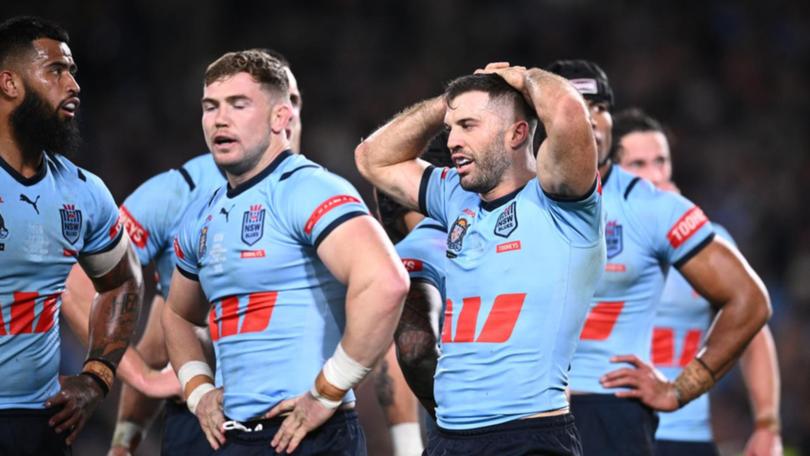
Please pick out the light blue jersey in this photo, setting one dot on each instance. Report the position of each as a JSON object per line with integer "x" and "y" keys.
{"x": 647, "y": 231}
{"x": 423, "y": 253}
{"x": 278, "y": 311}
{"x": 47, "y": 223}
{"x": 521, "y": 271}
{"x": 681, "y": 323}
{"x": 152, "y": 213}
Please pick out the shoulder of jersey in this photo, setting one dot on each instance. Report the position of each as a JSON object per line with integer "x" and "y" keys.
{"x": 298, "y": 168}
{"x": 629, "y": 186}
{"x": 65, "y": 169}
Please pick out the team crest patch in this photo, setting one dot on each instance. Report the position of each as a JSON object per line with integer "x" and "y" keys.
{"x": 71, "y": 222}
{"x": 456, "y": 237}
{"x": 202, "y": 244}
{"x": 614, "y": 239}
{"x": 507, "y": 222}
{"x": 253, "y": 224}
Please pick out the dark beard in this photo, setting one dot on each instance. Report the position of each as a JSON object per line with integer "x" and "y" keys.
{"x": 37, "y": 127}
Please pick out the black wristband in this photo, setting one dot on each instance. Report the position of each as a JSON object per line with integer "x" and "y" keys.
{"x": 104, "y": 389}
{"x": 711, "y": 372}
{"x": 103, "y": 361}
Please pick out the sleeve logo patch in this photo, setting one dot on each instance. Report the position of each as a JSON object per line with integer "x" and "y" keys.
{"x": 178, "y": 251}
{"x": 325, "y": 207}
{"x": 686, "y": 226}
{"x": 412, "y": 265}
{"x": 135, "y": 230}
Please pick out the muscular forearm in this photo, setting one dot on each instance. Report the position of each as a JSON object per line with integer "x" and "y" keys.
{"x": 387, "y": 158}
{"x": 760, "y": 369}
{"x": 567, "y": 159}
{"x": 416, "y": 341}
{"x": 113, "y": 319}
{"x": 735, "y": 324}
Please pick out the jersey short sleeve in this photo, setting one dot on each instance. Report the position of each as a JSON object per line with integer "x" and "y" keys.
{"x": 423, "y": 251}
{"x": 151, "y": 211}
{"x": 682, "y": 227}
{"x": 103, "y": 231}
{"x": 437, "y": 188}
{"x": 315, "y": 202}
{"x": 579, "y": 220}
{"x": 186, "y": 244}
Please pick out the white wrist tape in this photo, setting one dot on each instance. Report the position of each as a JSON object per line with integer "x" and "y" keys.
{"x": 342, "y": 372}
{"x": 406, "y": 438}
{"x": 195, "y": 396}
{"x": 126, "y": 433}
{"x": 326, "y": 402}
{"x": 192, "y": 369}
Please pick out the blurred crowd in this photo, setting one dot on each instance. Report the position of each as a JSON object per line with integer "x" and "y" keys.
{"x": 730, "y": 81}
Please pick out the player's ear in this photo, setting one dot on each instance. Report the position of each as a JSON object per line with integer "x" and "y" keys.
{"x": 10, "y": 84}
{"x": 518, "y": 134}
{"x": 280, "y": 117}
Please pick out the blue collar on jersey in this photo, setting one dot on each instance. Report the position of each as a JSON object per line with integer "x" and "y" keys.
{"x": 27, "y": 181}
{"x": 498, "y": 202}
{"x": 233, "y": 192}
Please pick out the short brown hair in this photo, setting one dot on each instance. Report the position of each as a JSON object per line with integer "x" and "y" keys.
{"x": 496, "y": 87}
{"x": 262, "y": 67}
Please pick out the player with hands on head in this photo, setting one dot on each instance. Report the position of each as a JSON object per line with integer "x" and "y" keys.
{"x": 502, "y": 209}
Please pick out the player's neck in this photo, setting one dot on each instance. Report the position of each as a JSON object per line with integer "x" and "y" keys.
{"x": 273, "y": 151}
{"x": 25, "y": 164}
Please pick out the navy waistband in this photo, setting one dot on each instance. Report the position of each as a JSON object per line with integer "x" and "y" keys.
{"x": 539, "y": 423}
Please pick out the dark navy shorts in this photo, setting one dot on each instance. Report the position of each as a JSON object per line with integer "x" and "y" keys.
{"x": 341, "y": 435}
{"x": 553, "y": 435}
{"x": 25, "y": 432}
{"x": 676, "y": 448}
{"x": 614, "y": 426}
{"x": 182, "y": 434}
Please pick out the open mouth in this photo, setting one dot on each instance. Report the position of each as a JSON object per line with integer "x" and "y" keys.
{"x": 462, "y": 163}
{"x": 70, "y": 106}
{"x": 223, "y": 140}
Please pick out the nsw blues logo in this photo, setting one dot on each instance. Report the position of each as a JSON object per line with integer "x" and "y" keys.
{"x": 253, "y": 224}
{"x": 614, "y": 239}
{"x": 456, "y": 237}
{"x": 507, "y": 222}
{"x": 71, "y": 222}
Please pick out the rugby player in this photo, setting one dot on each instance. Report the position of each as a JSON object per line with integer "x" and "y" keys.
{"x": 54, "y": 215}
{"x": 524, "y": 250}
{"x": 300, "y": 270}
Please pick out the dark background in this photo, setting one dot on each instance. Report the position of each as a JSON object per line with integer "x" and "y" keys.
{"x": 729, "y": 79}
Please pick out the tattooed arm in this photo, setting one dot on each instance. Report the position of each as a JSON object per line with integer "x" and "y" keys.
{"x": 113, "y": 318}
{"x": 416, "y": 341}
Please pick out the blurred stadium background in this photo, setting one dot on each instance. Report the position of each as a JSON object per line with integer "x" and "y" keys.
{"x": 728, "y": 78}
